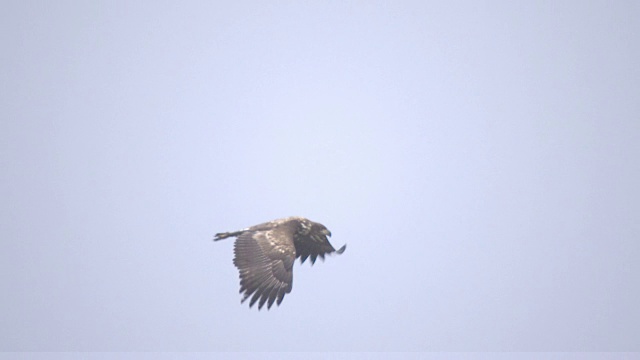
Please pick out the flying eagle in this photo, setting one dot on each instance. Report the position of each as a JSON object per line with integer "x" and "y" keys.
{"x": 265, "y": 253}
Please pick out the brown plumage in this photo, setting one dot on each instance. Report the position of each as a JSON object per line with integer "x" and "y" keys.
{"x": 265, "y": 253}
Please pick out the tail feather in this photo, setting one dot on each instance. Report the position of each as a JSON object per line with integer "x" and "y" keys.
{"x": 221, "y": 236}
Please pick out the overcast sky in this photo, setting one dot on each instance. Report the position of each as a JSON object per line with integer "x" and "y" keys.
{"x": 480, "y": 159}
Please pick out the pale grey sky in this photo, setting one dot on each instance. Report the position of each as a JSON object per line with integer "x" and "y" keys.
{"x": 480, "y": 159}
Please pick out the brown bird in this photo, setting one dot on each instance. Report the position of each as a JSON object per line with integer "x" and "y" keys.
{"x": 265, "y": 253}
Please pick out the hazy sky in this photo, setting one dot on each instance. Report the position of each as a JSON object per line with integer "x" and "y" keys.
{"x": 480, "y": 159}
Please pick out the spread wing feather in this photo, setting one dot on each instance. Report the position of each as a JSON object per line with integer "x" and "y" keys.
{"x": 265, "y": 261}
{"x": 313, "y": 247}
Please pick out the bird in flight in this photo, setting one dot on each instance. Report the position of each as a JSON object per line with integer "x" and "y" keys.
{"x": 265, "y": 253}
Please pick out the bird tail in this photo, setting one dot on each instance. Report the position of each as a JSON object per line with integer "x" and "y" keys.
{"x": 221, "y": 236}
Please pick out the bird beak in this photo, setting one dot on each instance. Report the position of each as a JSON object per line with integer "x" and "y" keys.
{"x": 327, "y": 232}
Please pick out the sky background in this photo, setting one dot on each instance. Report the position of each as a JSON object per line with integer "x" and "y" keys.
{"x": 480, "y": 159}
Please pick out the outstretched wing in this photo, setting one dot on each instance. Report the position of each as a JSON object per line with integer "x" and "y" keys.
{"x": 313, "y": 246}
{"x": 265, "y": 261}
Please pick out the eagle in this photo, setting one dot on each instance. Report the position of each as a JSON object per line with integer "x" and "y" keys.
{"x": 265, "y": 253}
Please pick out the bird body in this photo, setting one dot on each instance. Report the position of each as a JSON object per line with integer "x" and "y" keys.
{"x": 265, "y": 253}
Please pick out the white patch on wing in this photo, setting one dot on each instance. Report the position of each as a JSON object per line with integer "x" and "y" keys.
{"x": 269, "y": 237}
